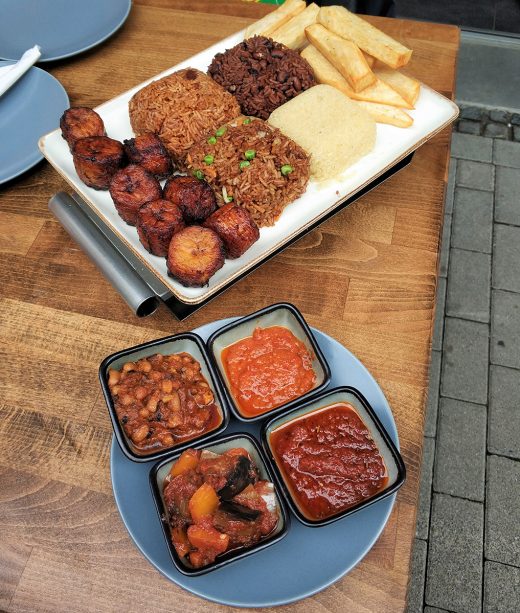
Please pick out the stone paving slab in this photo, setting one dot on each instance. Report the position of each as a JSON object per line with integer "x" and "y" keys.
{"x": 454, "y": 568}
{"x": 472, "y": 225}
{"x": 430, "y": 420}
{"x": 415, "y": 594}
{"x": 464, "y": 371}
{"x": 440, "y": 306}
{"x": 425, "y": 490}
{"x": 502, "y": 543}
{"x": 445, "y": 247}
{"x": 475, "y": 175}
{"x": 435, "y": 610}
{"x": 460, "y": 461}
{"x": 504, "y": 412}
{"x": 507, "y": 189}
{"x": 469, "y": 281}
{"x": 496, "y": 130}
{"x": 469, "y": 147}
{"x": 501, "y": 588}
{"x": 469, "y": 127}
{"x": 506, "y": 257}
{"x": 505, "y": 329}
{"x": 506, "y": 153}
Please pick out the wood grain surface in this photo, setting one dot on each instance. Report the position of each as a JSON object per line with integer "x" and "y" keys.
{"x": 367, "y": 277}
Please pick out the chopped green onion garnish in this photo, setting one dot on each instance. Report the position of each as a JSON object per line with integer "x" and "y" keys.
{"x": 199, "y": 174}
{"x": 225, "y": 195}
{"x": 250, "y": 154}
{"x": 212, "y": 140}
{"x": 221, "y": 131}
{"x": 246, "y": 121}
{"x": 208, "y": 159}
{"x": 286, "y": 169}
{"x": 244, "y": 164}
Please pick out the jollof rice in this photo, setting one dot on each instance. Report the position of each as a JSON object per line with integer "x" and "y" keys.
{"x": 260, "y": 186}
{"x": 180, "y": 109}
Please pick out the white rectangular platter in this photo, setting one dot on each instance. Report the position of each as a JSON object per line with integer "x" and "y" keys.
{"x": 432, "y": 113}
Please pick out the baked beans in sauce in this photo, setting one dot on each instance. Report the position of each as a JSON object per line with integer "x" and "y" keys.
{"x": 267, "y": 370}
{"x": 329, "y": 460}
{"x": 163, "y": 400}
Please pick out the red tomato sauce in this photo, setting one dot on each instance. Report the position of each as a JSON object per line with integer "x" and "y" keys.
{"x": 267, "y": 370}
{"x": 329, "y": 460}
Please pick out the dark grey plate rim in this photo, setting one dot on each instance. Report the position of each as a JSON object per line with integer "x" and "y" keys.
{"x": 37, "y": 156}
{"x": 105, "y": 37}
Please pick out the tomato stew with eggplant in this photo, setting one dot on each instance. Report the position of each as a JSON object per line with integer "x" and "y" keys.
{"x": 163, "y": 400}
{"x": 217, "y": 503}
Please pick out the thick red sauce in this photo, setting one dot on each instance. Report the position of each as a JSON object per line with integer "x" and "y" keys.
{"x": 267, "y": 370}
{"x": 329, "y": 460}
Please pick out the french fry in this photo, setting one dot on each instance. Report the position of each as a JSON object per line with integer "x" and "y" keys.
{"x": 343, "y": 54}
{"x": 383, "y": 113}
{"x": 371, "y": 40}
{"x": 268, "y": 24}
{"x": 325, "y": 72}
{"x": 404, "y": 85}
{"x": 371, "y": 61}
{"x": 292, "y": 33}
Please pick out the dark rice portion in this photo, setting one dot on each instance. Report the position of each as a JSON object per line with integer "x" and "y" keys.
{"x": 262, "y": 74}
{"x": 260, "y": 187}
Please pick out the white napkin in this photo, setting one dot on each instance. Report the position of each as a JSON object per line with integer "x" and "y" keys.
{"x": 10, "y": 74}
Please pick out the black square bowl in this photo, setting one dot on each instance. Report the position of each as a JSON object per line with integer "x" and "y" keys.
{"x": 280, "y": 314}
{"x": 159, "y": 472}
{"x": 178, "y": 343}
{"x": 391, "y": 456}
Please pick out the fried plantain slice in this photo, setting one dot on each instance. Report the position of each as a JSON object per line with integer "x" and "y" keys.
{"x": 195, "y": 254}
{"x": 80, "y": 122}
{"x": 195, "y": 197}
{"x": 148, "y": 151}
{"x": 157, "y": 222}
{"x": 132, "y": 187}
{"x": 97, "y": 159}
{"x": 236, "y": 228}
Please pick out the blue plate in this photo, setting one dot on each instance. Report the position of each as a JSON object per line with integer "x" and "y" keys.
{"x": 307, "y": 560}
{"x": 29, "y": 109}
{"x": 61, "y": 27}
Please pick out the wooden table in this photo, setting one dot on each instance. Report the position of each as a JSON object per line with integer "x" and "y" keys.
{"x": 63, "y": 546}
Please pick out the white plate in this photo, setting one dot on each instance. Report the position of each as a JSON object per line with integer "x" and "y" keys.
{"x": 432, "y": 113}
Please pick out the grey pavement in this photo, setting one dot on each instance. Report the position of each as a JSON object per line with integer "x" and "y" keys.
{"x": 466, "y": 555}
{"x": 454, "y": 565}
{"x": 506, "y": 196}
{"x": 501, "y": 588}
{"x": 504, "y": 412}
